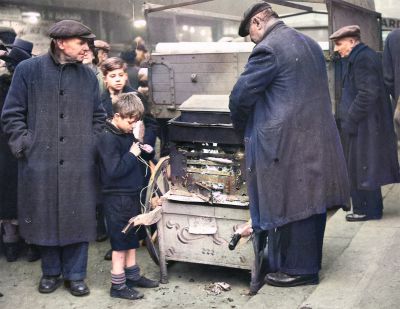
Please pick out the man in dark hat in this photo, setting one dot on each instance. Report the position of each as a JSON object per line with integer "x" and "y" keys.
{"x": 366, "y": 121}
{"x": 7, "y": 35}
{"x": 295, "y": 168}
{"x": 52, "y": 115}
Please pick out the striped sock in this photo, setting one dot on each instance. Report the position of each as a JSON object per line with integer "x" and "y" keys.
{"x": 132, "y": 273}
{"x": 118, "y": 281}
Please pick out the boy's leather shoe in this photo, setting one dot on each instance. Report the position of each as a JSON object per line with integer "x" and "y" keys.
{"x": 108, "y": 255}
{"x": 126, "y": 293}
{"x": 101, "y": 237}
{"x": 143, "y": 282}
{"x": 49, "y": 284}
{"x": 285, "y": 280}
{"x": 77, "y": 287}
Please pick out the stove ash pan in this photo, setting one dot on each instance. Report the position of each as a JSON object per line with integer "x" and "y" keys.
{"x": 204, "y": 119}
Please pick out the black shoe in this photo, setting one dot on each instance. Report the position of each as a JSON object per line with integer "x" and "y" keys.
{"x": 49, "y": 284}
{"x": 108, "y": 255}
{"x": 126, "y": 293}
{"x": 11, "y": 251}
{"x": 357, "y": 217}
{"x": 77, "y": 287}
{"x": 143, "y": 282}
{"x": 101, "y": 237}
{"x": 285, "y": 280}
{"x": 33, "y": 253}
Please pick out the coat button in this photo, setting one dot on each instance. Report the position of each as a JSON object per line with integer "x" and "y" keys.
{"x": 28, "y": 220}
{"x": 365, "y": 168}
{"x": 61, "y": 162}
{"x": 62, "y": 116}
{"x": 249, "y": 169}
{"x": 246, "y": 139}
{"x": 62, "y": 139}
{"x": 61, "y": 92}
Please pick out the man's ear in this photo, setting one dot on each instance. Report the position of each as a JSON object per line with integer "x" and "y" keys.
{"x": 257, "y": 22}
{"x": 59, "y": 43}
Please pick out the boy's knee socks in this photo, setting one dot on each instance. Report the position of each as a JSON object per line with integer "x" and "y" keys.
{"x": 118, "y": 281}
{"x": 132, "y": 273}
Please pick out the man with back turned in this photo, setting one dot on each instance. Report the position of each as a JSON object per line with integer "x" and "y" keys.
{"x": 294, "y": 159}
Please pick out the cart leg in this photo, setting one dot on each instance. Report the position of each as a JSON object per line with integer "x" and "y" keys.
{"x": 161, "y": 246}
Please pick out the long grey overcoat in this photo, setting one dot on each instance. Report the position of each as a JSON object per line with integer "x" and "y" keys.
{"x": 366, "y": 118}
{"x": 52, "y": 114}
{"x": 294, "y": 159}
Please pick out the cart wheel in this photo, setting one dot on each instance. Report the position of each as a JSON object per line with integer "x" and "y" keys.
{"x": 158, "y": 186}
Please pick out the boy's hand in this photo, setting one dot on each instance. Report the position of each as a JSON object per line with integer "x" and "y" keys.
{"x": 147, "y": 148}
{"x": 135, "y": 149}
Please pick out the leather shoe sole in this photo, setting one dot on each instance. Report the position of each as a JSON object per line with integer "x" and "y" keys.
{"x": 285, "y": 280}
{"x": 359, "y": 218}
{"x": 126, "y": 293}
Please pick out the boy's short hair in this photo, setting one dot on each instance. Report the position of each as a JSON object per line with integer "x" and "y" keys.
{"x": 113, "y": 63}
{"x": 128, "y": 105}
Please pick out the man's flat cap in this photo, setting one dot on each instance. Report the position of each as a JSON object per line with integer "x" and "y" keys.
{"x": 250, "y": 12}
{"x": 345, "y": 32}
{"x": 102, "y": 45}
{"x": 70, "y": 29}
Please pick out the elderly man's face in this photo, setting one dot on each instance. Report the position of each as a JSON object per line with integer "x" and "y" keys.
{"x": 73, "y": 48}
{"x": 344, "y": 46}
{"x": 88, "y": 58}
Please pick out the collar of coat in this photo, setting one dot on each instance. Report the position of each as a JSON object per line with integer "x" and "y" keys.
{"x": 274, "y": 26}
{"x": 113, "y": 129}
{"x": 356, "y": 50}
{"x": 110, "y": 127}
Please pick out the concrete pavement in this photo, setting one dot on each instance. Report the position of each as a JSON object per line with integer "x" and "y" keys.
{"x": 361, "y": 267}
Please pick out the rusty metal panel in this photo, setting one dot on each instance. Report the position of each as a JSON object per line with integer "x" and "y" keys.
{"x": 174, "y": 78}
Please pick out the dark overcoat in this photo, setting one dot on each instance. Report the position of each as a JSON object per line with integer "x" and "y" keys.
{"x": 294, "y": 159}
{"x": 366, "y": 118}
{"x": 8, "y": 164}
{"x": 391, "y": 63}
{"x": 52, "y": 114}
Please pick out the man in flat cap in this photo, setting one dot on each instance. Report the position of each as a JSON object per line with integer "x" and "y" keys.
{"x": 52, "y": 115}
{"x": 366, "y": 121}
{"x": 294, "y": 160}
